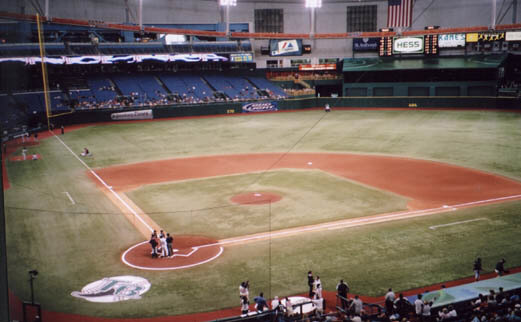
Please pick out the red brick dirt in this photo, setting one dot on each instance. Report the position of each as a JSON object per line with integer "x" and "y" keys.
{"x": 141, "y": 255}
{"x": 426, "y": 184}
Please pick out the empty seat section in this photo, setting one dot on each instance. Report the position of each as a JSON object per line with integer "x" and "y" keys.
{"x": 263, "y": 84}
{"x": 10, "y": 116}
{"x": 126, "y": 84}
{"x": 197, "y": 86}
{"x": 101, "y": 88}
{"x": 187, "y": 86}
{"x": 221, "y": 84}
{"x": 234, "y": 87}
{"x": 149, "y": 86}
{"x": 31, "y": 102}
{"x": 59, "y": 102}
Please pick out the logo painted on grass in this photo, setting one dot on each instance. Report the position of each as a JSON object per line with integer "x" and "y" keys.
{"x": 114, "y": 289}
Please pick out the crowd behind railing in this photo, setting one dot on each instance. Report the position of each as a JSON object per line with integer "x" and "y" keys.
{"x": 303, "y": 75}
{"x": 491, "y": 306}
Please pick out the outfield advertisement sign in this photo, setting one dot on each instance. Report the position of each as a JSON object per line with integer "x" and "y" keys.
{"x": 366, "y": 44}
{"x": 259, "y": 107}
{"x": 134, "y": 115}
{"x": 114, "y": 289}
{"x": 451, "y": 40}
{"x": 408, "y": 45}
{"x": 513, "y": 36}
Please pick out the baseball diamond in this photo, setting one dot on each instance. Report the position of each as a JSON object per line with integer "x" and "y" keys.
{"x": 260, "y": 160}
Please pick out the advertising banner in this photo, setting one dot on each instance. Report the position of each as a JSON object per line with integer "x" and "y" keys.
{"x": 133, "y": 115}
{"x": 241, "y": 58}
{"x": 259, "y": 107}
{"x": 408, "y": 45}
{"x": 365, "y": 44}
{"x": 491, "y": 36}
{"x": 472, "y": 37}
{"x": 317, "y": 67}
{"x": 451, "y": 40}
{"x": 513, "y": 36}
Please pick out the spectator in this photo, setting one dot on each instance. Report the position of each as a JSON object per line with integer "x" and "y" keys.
{"x": 500, "y": 268}
{"x": 402, "y": 306}
{"x": 418, "y": 306}
{"x": 275, "y": 302}
{"x": 311, "y": 281}
{"x": 317, "y": 287}
{"x": 289, "y": 306}
{"x": 356, "y": 306}
{"x": 477, "y": 268}
{"x": 244, "y": 290}
{"x": 260, "y": 302}
{"x": 389, "y": 302}
{"x": 445, "y": 314}
{"x": 342, "y": 289}
{"x": 426, "y": 311}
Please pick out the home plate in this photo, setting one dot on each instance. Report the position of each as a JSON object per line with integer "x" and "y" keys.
{"x": 310, "y": 163}
{"x": 257, "y": 194}
{"x": 175, "y": 250}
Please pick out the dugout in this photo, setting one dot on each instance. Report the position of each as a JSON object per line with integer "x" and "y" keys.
{"x": 423, "y": 76}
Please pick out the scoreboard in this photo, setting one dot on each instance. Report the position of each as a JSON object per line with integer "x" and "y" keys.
{"x": 427, "y": 45}
{"x": 431, "y": 45}
{"x": 386, "y": 46}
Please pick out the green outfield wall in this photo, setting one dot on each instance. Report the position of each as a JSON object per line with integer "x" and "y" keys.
{"x": 476, "y": 102}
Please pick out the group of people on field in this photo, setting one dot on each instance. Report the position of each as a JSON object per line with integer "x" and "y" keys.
{"x": 162, "y": 245}
{"x": 499, "y": 269}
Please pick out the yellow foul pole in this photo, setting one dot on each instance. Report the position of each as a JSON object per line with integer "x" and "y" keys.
{"x": 44, "y": 70}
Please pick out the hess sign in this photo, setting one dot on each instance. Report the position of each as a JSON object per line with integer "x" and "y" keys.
{"x": 408, "y": 45}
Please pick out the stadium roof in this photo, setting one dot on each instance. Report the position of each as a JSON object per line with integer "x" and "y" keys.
{"x": 383, "y": 64}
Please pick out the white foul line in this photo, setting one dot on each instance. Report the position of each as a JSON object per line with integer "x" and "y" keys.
{"x": 359, "y": 221}
{"x": 457, "y": 223}
{"x": 105, "y": 185}
{"x": 70, "y": 198}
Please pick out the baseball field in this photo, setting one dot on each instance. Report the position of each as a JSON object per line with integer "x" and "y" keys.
{"x": 380, "y": 198}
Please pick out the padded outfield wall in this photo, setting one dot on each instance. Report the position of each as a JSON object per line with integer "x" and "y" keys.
{"x": 105, "y": 115}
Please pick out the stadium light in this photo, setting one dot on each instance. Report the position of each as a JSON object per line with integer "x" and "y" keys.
{"x": 313, "y": 3}
{"x": 228, "y": 3}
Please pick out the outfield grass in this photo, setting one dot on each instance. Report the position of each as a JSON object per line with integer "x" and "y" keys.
{"x": 73, "y": 245}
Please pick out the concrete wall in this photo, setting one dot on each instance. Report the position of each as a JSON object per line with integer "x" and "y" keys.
{"x": 330, "y": 18}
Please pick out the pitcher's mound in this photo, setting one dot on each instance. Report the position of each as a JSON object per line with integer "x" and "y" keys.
{"x": 255, "y": 198}
{"x": 189, "y": 251}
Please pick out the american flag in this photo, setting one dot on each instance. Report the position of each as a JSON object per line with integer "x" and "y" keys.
{"x": 399, "y": 13}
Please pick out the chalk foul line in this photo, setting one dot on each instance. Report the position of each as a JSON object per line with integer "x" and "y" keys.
{"x": 109, "y": 188}
{"x": 70, "y": 197}
{"x": 456, "y": 223}
{"x": 347, "y": 223}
